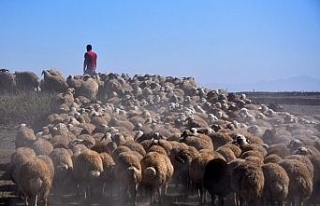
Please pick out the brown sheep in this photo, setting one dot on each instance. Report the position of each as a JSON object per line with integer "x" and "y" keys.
{"x": 63, "y": 166}
{"x": 54, "y": 81}
{"x": 247, "y": 181}
{"x": 181, "y": 160}
{"x": 301, "y": 183}
{"x": 108, "y": 175}
{"x": 25, "y": 136}
{"x": 272, "y": 158}
{"x": 220, "y": 138}
{"x": 27, "y": 80}
{"x": 117, "y": 151}
{"x": 276, "y": 183}
{"x": 42, "y": 147}
{"x": 315, "y": 159}
{"x": 197, "y": 140}
{"x": 234, "y": 148}
{"x": 86, "y": 87}
{"x": 135, "y": 146}
{"x": 17, "y": 159}
{"x": 155, "y": 177}
{"x": 7, "y": 81}
{"x": 35, "y": 179}
{"x": 87, "y": 167}
{"x": 196, "y": 171}
{"x": 128, "y": 170}
{"x": 227, "y": 153}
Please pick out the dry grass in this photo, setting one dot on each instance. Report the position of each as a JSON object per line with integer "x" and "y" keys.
{"x": 26, "y": 107}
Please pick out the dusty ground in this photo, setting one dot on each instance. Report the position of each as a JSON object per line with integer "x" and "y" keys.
{"x": 7, "y": 187}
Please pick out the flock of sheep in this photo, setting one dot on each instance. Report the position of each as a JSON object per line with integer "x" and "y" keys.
{"x": 134, "y": 137}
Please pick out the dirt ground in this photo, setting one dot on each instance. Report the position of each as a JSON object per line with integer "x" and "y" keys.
{"x": 7, "y": 187}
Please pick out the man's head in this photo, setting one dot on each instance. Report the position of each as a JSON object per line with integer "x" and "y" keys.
{"x": 89, "y": 47}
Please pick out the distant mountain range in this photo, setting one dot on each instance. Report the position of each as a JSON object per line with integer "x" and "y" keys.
{"x": 300, "y": 83}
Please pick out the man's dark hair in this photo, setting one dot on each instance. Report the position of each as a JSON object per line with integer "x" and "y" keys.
{"x": 89, "y": 47}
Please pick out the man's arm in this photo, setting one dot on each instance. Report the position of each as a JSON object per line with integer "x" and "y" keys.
{"x": 84, "y": 63}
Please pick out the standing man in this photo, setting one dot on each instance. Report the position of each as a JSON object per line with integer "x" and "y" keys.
{"x": 90, "y": 61}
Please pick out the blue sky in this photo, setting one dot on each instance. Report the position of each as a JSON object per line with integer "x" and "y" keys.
{"x": 220, "y": 41}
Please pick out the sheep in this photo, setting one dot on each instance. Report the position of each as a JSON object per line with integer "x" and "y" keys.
{"x": 87, "y": 87}
{"x": 49, "y": 163}
{"x": 220, "y": 138}
{"x": 227, "y": 153}
{"x": 157, "y": 148}
{"x": 114, "y": 122}
{"x": 197, "y": 140}
{"x": 166, "y": 145}
{"x": 25, "y": 136}
{"x": 65, "y": 100}
{"x": 27, "y": 80}
{"x": 254, "y": 148}
{"x": 305, "y": 160}
{"x": 155, "y": 176}
{"x": 315, "y": 160}
{"x": 118, "y": 150}
{"x": 300, "y": 180}
{"x": 17, "y": 159}
{"x": 35, "y": 178}
{"x": 42, "y": 147}
{"x": 196, "y": 122}
{"x": 61, "y": 141}
{"x": 272, "y": 158}
{"x": 63, "y": 166}
{"x": 216, "y": 179}
{"x": 87, "y": 139}
{"x": 247, "y": 181}
{"x": 279, "y": 149}
{"x": 128, "y": 169}
{"x": 252, "y": 153}
{"x": 87, "y": 167}
{"x": 108, "y": 174}
{"x": 181, "y": 162}
{"x": 234, "y": 148}
{"x": 196, "y": 171}
{"x": 135, "y": 146}
{"x": 54, "y": 81}
{"x": 276, "y": 183}
{"x": 7, "y": 81}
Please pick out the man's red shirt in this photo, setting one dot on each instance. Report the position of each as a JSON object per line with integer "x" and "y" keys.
{"x": 91, "y": 59}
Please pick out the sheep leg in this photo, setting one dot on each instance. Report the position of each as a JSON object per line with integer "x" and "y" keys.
{"x": 87, "y": 193}
{"x": 34, "y": 200}
{"x": 134, "y": 193}
{"x": 200, "y": 191}
{"x": 26, "y": 200}
{"x": 213, "y": 200}
{"x": 45, "y": 198}
{"x": 221, "y": 201}
{"x": 235, "y": 200}
{"x": 159, "y": 189}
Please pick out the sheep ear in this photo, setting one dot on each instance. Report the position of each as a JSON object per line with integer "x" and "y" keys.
{"x": 309, "y": 151}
